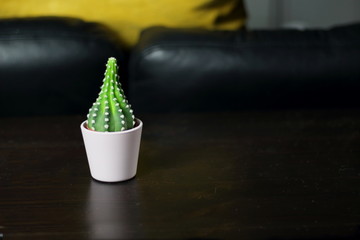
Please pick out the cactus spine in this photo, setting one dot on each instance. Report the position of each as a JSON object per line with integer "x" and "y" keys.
{"x": 111, "y": 111}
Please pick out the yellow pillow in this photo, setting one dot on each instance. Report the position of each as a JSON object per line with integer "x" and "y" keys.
{"x": 129, "y": 17}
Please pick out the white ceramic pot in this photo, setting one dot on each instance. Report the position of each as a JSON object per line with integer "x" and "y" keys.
{"x": 112, "y": 156}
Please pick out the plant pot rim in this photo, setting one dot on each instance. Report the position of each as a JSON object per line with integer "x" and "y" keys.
{"x": 138, "y": 125}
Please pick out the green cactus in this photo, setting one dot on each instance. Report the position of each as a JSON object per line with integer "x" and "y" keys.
{"x": 111, "y": 111}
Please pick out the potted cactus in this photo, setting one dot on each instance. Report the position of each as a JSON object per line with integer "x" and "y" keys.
{"x": 111, "y": 132}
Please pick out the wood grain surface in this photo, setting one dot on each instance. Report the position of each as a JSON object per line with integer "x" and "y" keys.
{"x": 247, "y": 175}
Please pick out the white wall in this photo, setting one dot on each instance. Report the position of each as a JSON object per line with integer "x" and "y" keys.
{"x": 301, "y": 13}
{"x": 258, "y": 14}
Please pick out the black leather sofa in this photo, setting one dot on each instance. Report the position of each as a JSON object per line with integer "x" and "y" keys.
{"x": 192, "y": 70}
{"x": 55, "y": 66}
{"x": 52, "y": 65}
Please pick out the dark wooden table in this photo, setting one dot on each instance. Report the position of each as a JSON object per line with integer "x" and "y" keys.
{"x": 248, "y": 175}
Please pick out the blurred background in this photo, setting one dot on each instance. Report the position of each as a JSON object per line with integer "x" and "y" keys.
{"x": 301, "y": 14}
{"x": 41, "y": 42}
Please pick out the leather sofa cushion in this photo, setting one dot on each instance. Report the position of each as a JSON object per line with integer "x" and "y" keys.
{"x": 197, "y": 70}
{"x": 52, "y": 65}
